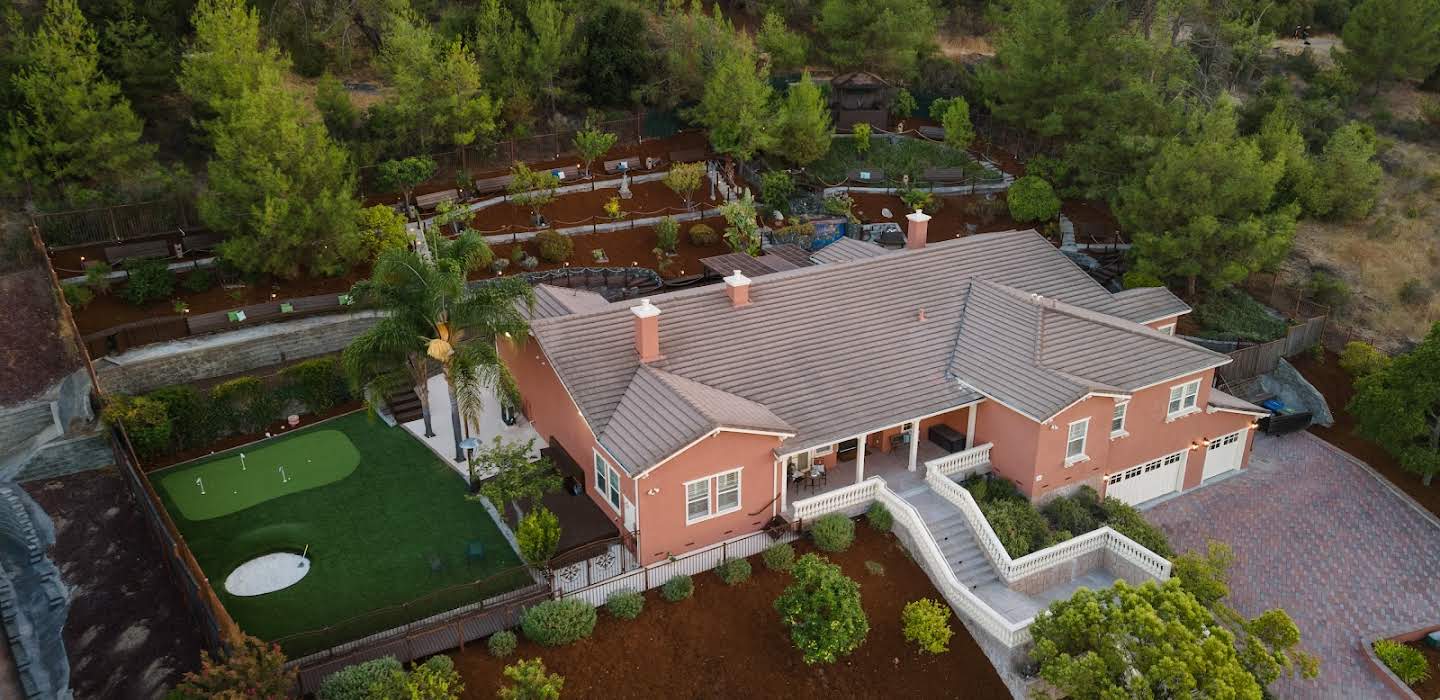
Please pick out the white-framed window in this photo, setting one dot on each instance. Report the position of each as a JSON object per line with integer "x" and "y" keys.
{"x": 725, "y": 487}
{"x": 607, "y": 482}
{"x": 1075, "y": 442}
{"x": 1117, "y": 419}
{"x": 1167, "y": 329}
{"x": 1183, "y": 398}
{"x": 697, "y": 500}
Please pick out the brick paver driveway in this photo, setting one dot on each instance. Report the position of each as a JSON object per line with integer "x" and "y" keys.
{"x": 1317, "y": 533}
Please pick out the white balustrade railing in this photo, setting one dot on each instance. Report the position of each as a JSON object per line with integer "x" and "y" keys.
{"x": 1119, "y": 544}
{"x": 985, "y": 535}
{"x": 971, "y": 460}
{"x": 839, "y": 499}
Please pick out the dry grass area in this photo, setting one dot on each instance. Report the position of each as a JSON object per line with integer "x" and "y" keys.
{"x": 1396, "y": 246}
{"x": 962, "y": 47}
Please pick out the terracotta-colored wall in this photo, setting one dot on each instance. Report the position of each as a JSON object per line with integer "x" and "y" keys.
{"x": 663, "y": 530}
{"x": 1024, "y": 449}
{"x": 1163, "y": 322}
{"x": 957, "y": 419}
{"x": 556, "y": 417}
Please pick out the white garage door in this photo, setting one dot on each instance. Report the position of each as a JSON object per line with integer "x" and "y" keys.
{"x": 1143, "y": 482}
{"x": 1225, "y": 453}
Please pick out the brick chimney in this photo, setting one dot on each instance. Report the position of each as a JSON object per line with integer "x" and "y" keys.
{"x": 737, "y": 287}
{"x": 917, "y": 230}
{"x": 647, "y": 330}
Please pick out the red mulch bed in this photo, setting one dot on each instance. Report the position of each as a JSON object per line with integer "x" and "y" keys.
{"x": 578, "y": 208}
{"x": 946, "y": 224}
{"x": 36, "y": 349}
{"x": 727, "y": 642}
{"x": 1431, "y": 687}
{"x": 275, "y": 428}
{"x": 1338, "y": 386}
{"x": 628, "y": 248}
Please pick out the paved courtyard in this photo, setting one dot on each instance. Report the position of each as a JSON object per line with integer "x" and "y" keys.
{"x": 1317, "y": 533}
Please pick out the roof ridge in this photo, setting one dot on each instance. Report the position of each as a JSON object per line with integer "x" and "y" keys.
{"x": 666, "y": 377}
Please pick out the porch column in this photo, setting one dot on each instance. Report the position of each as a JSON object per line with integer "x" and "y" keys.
{"x": 970, "y": 427}
{"x": 914, "y": 442}
{"x": 860, "y": 460}
{"x": 783, "y": 466}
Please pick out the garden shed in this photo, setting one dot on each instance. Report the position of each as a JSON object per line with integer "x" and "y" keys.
{"x": 861, "y": 97}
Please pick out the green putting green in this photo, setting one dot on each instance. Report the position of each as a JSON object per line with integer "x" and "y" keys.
{"x": 243, "y": 478}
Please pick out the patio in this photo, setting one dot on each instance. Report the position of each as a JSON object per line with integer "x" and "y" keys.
{"x": 490, "y": 427}
{"x": 892, "y": 466}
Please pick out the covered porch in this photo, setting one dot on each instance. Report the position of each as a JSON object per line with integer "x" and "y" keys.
{"x": 896, "y": 454}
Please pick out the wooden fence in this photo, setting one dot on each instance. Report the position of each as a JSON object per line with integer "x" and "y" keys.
{"x": 124, "y": 222}
{"x": 1256, "y": 360}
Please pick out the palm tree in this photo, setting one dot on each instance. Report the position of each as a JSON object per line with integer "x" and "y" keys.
{"x": 432, "y": 316}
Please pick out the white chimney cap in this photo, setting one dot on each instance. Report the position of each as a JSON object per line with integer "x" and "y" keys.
{"x": 645, "y": 309}
{"x": 918, "y": 216}
{"x": 737, "y": 279}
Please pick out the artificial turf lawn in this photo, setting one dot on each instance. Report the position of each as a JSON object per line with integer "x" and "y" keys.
{"x": 370, "y": 538}
{"x": 238, "y": 479}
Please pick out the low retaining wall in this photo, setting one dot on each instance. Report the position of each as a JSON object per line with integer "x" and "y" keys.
{"x": 1385, "y": 674}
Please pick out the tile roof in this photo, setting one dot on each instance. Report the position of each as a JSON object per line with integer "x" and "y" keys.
{"x": 838, "y": 349}
{"x": 1229, "y": 402}
{"x": 847, "y": 249}
{"x": 1146, "y": 304}
{"x": 551, "y": 301}
{"x": 778, "y": 258}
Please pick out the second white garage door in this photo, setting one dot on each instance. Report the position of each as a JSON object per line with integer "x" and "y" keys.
{"x": 1224, "y": 453}
{"x": 1143, "y": 482}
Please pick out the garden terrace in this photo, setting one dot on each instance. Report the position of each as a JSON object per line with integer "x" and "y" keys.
{"x": 388, "y": 542}
{"x": 903, "y": 157}
{"x": 586, "y": 208}
{"x": 626, "y": 248}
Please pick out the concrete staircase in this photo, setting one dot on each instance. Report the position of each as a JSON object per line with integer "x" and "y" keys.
{"x": 956, "y": 539}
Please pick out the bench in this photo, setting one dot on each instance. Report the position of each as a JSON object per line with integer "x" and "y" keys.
{"x": 688, "y": 155}
{"x": 129, "y": 251}
{"x": 945, "y": 175}
{"x": 491, "y": 185}
{"x": 934, "y": 133}
{"x": 432, "y": 200}
{"x": 867, "y": 176}
{"x": 946, "y": 437}
{"x": 204, "y": 242}
{"x": 567, "y": 173}
{"x": 622, "y": 165}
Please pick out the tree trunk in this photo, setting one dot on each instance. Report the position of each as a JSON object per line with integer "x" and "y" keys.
{"x": 1190, "y": 284}
{"x": 455, "y": 420}
{"x": 422, "y": 391}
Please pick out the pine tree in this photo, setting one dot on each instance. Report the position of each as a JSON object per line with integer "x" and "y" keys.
{"x": 1399, "y": 407}
{"x": 74, "y": 127}
{"x": 885, "y": 36}
{"x": 959, "y": 133}
{"x": 227, "y": 57}
{"x": 736, "y": 104}
{"x": 1346, "y": 182}
{"x": 802, "y": 130}
{"x": 1389, "y": 40}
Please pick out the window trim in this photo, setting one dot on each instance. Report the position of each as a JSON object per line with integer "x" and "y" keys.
{"x": 1181, "y": 392}
{"x": 712, "y": 495}
{"x": 611, "y": 479}
{"x": 1123, "y": 407}
{"x": 1070, "y": 439}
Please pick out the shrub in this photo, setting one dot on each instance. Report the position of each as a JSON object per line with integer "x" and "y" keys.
{"x": 436, "y": 679}
{"x": 354, "y": 682}
{"x": 78, "y": 296}
{"x": 684, "y": 179}
{"x": 776, "y": 188}
{"x": 613, "y": 210}
{"x": 1234, "y": 315}
{"x": 1328, "y": 289}
{"x": 319, "y": 383}
{"x": 904, "y": 104}
{"x": 252, "y": 669}
{"x": 991, "y": 488}
{"x": 1362, "y": 359}
{"x": 198, "y": 281}
{"x": 625, "y": 605}
{"x": 861, "y": 134}
{"x": 678, "y": 588}
{"x": 145, "y": 419}
{"x": 1019, "y": 526}
{"x": 556, "y": 623}
{"x": 734, "y": 571}
{"x": 192, "y": 422}
{"x": 927, "y": 623}
{"x": 1405, "y": 661}
{"x": 97, "y": 277}
{"x": 875, "y": 568}
{"x": 538, "y": 534}
{"x": 243, "y": 404}
{"x": 823, "y": 611}
{"x": 1055, "y": 537}
{"x": 530, "y": 681}
{"x": 833, "y": 532}
{"x": 502, "y": 644}
{"x": 1069, "y": 513}
{"x": 1032, "y": 199}
{"x": 1123, "y": 518}
{"x": 879, "y": 517}
{"x": 148, "y": 280}
{"x": 779, "y": 557}
{"x": 554, "y": 247}
{"x": 517, "y": 253}
{"x": 1414, "y": 293}
{"x": 703, "y": 235}
{"x": 667, "y": 234}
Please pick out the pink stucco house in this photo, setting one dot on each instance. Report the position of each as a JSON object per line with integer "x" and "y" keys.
{"x": 694, "y": 414}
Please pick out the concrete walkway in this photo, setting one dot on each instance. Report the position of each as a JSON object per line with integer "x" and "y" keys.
{"x": 489, "y": 427}
{"x": 1321, "y": 535}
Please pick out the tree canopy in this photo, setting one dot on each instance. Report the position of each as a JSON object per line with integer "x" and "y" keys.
{"x": 736, "y": 104}
{"x": 1398, "y": 406}
{"x": 1388, "y": 40}
{"x": 802, "y": 130}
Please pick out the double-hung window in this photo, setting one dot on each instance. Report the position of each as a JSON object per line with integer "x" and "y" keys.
{"x": 1117, "y": 419}
{"x": 1182, "y": 399}
{"x": 725, "y": 488}
{"x": 607, "y": 482}
{"x": 1075, "y": 443}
